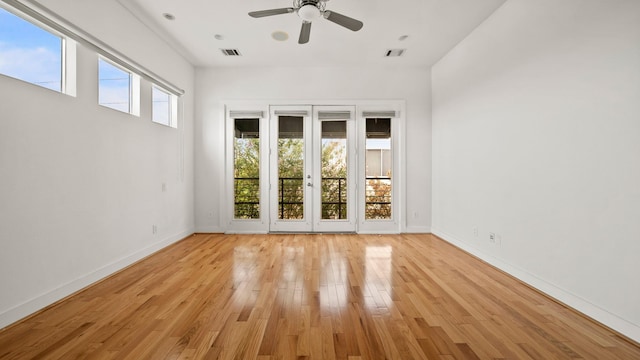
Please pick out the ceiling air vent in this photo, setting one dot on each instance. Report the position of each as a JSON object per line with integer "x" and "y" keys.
{"x": 230, "y": 52}
{"x": 394, "y": 52}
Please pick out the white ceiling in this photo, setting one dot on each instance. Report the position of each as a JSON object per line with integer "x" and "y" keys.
{"x": 433, "y": 28}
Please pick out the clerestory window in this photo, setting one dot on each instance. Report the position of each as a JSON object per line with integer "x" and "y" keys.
{"x": 30, "y": 52}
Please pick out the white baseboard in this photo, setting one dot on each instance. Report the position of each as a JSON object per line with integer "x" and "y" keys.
{"x": 417, "y": 230}
{"x": 209, "y": 230}
{"x": 246, "y": 232}
{"x": 566, "y": 297}
{"x": 374, "y": 232}
{"x": 29, "y": 307}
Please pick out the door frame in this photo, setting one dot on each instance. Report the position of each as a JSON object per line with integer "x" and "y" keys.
{"x": 235, "y": 111}
{"x": 349, "y": 224}
{"x": 395, "y": 225}
{"x": 306, "y": 223}
{"x": 397, "y": 222}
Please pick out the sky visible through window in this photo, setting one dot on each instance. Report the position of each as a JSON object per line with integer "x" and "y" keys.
{"x": 161, "y": 109}
{"x": 29, "y": 53}
{"x": 114, "y": 87}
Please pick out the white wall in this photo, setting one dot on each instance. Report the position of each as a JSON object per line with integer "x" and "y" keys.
{"x": 536, "y": 123}
{"x": 81, "y": 185}
{"x": 215, "y": 85}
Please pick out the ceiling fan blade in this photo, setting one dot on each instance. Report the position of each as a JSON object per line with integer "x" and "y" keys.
{"x": 305, "y": 32}
{"x": 271, "y": 12}
{"x": 342, "y": 20}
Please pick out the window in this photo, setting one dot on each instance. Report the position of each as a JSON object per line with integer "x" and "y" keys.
{"x": 30, "y": 53}
{"x": 246, "y": 159}
{"x": 378, "y": 168}
{"x": 117, "y": 87}
{"x": 164, "y": 107}
{"x": 333, "y": 168}
{"x": 291, "y": 167}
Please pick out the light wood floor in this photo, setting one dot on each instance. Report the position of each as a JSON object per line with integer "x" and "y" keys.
{"x": 310, "y": 297}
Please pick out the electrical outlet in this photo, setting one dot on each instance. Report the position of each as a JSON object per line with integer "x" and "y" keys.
{"x": 492, "y": 238}
{"x": 154, "y": 229}
{"x": 475, "y": 231}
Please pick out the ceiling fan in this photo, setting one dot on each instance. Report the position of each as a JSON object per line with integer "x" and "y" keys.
{"x": 308, "y": 11}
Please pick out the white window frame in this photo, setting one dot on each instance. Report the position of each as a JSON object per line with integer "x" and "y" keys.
{"x": 349, "y": 224}
{"x": 398, "y": 135}
{"x": 251, "y": 226}
{"x": 68, "y": 54}
{"x": 173, "y": 106}
{"x": 43, "y": 15}
{"x": 134, "y": 87}
{"x": 397, "y": 223}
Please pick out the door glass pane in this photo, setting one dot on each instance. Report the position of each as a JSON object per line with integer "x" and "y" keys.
{"x": 378, "y": 169}
{"x": 334, "y": 170}
{"x": 246, "y": 159}
{"x": 290, "y": 167}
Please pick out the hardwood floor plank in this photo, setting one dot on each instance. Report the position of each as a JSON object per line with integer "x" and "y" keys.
{"x": 320, "y": 296}
{"x": 327, "y": 339}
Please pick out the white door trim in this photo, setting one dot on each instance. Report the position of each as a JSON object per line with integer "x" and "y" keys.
{"x": 396, "y": 225}
{"x": 306, "y": 223}
{"x": 349, "y": 224}
{"x": 232, "y": 112}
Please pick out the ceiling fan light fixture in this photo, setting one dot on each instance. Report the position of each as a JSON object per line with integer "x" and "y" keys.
{"x": 309, "y": 13}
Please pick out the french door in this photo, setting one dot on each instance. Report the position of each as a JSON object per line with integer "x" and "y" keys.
{"x": 312, "y": 168}
{"x": 312, "y": 181}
